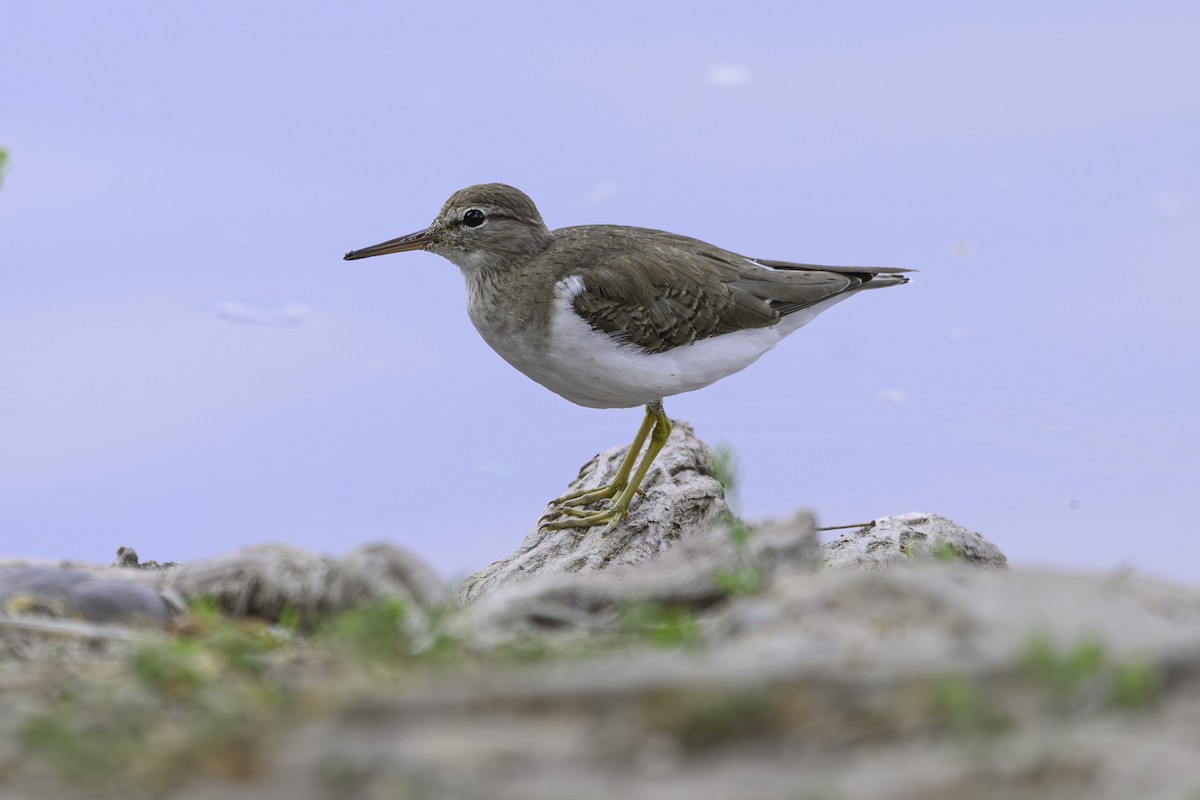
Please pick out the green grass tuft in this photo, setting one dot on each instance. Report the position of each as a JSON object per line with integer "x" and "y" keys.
{"x": 661, "y": 625}
{"x": 1135, "y": 685}
{"x": 1064, "y": 670}
{"x": 1084, "y": 671}
{"x": 946, "y": 551}
{"x": 377, "y": 631}
{"x": 963, "y": 706}
{"x": 725, "y": 469}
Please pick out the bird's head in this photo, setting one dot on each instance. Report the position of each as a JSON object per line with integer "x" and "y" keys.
{"x": 479, "y": 227}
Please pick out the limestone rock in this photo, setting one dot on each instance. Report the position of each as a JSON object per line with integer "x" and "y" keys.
{"x": 257, "y": 581}
{"x": 262, "y": 581}
{"x": 128, "y": 557}
{"x": 77, "y": 594}
{"x": 903, "y": 538}
{"x": 704, "y": 568}
{"x": 681, "y": 497}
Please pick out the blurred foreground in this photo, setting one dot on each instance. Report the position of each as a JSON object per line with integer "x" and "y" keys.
{"x": 936, "y": 679}
{"x": 685, "y": 655}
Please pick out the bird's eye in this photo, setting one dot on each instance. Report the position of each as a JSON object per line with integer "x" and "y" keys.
{"x": 473, "y": 218}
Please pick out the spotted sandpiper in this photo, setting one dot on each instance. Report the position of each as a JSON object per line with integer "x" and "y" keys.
{"x": 610, "y": 316}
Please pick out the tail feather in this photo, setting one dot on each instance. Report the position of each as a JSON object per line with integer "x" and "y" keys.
{"x": 871, "y": 277}
{"x": 884, "y": 280}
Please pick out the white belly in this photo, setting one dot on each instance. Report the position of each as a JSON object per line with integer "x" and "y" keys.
{"x": 592, "y": 369}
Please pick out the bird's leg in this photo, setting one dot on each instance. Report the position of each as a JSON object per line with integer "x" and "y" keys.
{"x": 583, "y": 497}
{"x": 617, "y": 509}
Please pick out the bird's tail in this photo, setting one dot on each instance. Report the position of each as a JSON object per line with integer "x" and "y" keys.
{"x": 871, "y": 277}
{"x": 882, "y": 280}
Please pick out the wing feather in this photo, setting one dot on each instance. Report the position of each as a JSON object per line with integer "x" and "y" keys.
{"x": 658, "y": 290}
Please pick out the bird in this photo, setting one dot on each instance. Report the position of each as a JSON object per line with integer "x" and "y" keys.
{"x": 613, "y": 316}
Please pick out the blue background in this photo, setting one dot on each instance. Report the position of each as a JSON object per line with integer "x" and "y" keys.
{"x": 187, "y": 366}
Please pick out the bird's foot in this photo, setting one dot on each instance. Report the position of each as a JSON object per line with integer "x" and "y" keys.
{"x": 568, "y": 510}
{"x": 571, "y": 503}
{"x": 584, "y": 497}
{"x": 574, "y": 518}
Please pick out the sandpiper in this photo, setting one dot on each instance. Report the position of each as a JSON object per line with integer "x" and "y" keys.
{"x": 610, "y": 316}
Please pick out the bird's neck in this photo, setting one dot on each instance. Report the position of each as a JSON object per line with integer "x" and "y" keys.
{"x": 503, "y": 300}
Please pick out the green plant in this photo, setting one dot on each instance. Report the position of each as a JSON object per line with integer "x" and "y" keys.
{"x": 1135, "y": 684}
{"x": 741, "y": 580}
{"x": 947, "y": 551}
{"x": 1084, "y": 670}
{"x": 725, "y": 469}
{"x": 175, "y": 668}
{"x": 661, "y": 625}
{"x": 961, "y": 704}
{"x": 440, "y": 640}
{"x": 377, "y": 631}
{"x": 1064, "y": 670}
{"x": 745, "y": 577}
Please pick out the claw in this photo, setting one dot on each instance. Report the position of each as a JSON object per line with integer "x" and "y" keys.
{"x": 626, "y": 484}
{"x": 588, "y": 520}
{"x": 574, "y": 512}
{"x": 585, "y": 497}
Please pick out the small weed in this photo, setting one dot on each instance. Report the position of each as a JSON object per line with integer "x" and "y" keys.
{"x": 661, "y": 625}
{"x": 176, "y": 668}
{"x": 725, "y": 469}
{"x": 743, "y": 580}
{"x": 1065, "y": 671}
{"x": 959, "y": 702}
{"x": 205, "y": 609}
{"x": 290, "y": 620}
{"x": 746, "y": 577}
{"x": 440, "y": 641}
{"x": 242, "y": 644}
{"x": 739, "y": 533}
{"x": 1085, "y": 671}
{"x": 374, "y": 632}
{"x": 1135, "y": 685}
{"x": 947, "y": 551}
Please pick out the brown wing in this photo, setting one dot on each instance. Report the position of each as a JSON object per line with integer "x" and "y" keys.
{"x": 787, "y": 278}
{"x": 657, "y": 290}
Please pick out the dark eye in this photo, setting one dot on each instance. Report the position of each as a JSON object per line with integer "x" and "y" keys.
{"x": 473, "y": 218}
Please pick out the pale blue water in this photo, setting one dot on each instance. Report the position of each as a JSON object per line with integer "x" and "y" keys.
{"x": 186, "y": 365}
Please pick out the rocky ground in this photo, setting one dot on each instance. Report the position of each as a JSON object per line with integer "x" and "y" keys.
{"x": 684, "y": 655}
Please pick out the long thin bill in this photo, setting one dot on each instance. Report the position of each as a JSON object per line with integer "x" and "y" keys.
{"x": 413, "y": 241}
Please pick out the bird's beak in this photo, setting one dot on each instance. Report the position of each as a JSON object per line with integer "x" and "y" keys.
{"x": 414, "y": 241}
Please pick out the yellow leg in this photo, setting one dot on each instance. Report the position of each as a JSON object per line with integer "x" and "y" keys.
{"x": 585, "y": 497}
{"x": 623, "y": 488}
